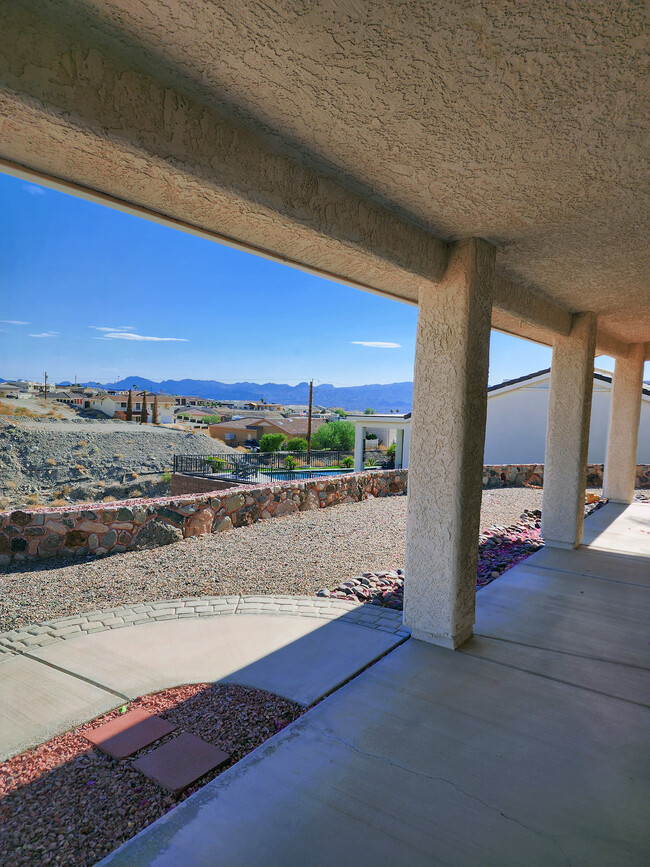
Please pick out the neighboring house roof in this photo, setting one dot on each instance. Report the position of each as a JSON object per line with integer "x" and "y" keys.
{"x": 286, "y": 425}
{"x": 601, "y": 375}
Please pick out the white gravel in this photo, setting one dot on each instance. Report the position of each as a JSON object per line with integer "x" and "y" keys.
{"x": 298, "y": 553}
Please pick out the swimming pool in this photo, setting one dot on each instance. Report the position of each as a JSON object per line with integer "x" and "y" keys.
{"x": 291, "y": 475}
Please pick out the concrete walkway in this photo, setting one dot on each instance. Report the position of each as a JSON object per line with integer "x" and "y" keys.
{"x": 528, "y": 747}
{"x": 58, "y": 675}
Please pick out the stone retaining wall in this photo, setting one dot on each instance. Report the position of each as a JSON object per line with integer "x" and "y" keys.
{"x": 135, "y": 524}
{"x": 519, "y": 475}
{"x": 184, "y": 484}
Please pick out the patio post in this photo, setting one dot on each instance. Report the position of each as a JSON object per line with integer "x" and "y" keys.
{"x": 359, "y": 437}
{"x": 399, "y": 448}
{"x": 567, "y": 434}
{"x": 624, "y": 417}
{"x": 446, "y": 451}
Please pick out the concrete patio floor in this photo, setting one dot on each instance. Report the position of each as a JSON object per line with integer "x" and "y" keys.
{"x": 528, "y": 747}
{"x": 300, "y": 648}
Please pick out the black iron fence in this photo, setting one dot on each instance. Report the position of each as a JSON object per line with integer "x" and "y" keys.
{"x": 258, "y": 465}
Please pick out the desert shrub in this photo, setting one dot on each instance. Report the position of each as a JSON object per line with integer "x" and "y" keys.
{"x": 390, "y": 453}
{"x": 369, "y": 411}
{"x": 347, "y": 461}
{"x": 82, "y": 444}
{"x": 339, "y": 411}
{"x": 135, "y": 494}
{"x": 51, "y": 462}
{"x": 217, "y": 463}
{"x": 271, "y": 442}
{"x": 334, "y": 435}
{"x": 80, "y": 468}
{"x": 134, "y": 475}
{"x": 166, "y": 478}
{"x": 211, "y": 419}
{"x": 371, "y": 462}
{"x": 118, "y": 457}
{"x": 5, "y": 502}
{"x": 59, "y": 502}
{"x": 109, "y": 499}
{"x": 297, "y": 444}
{"x": 290, "y": 462}
{"x": 371, "y": 436}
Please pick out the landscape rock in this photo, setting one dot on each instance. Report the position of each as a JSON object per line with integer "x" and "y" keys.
{"x": 154, "y": 533}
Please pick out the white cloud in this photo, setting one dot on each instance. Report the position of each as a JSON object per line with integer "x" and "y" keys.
{"x": 377, "y": 344}
{"x": 46, "y": 334}
{"x": 108, "y": 328}
{"x": 13, "y": 322}
{"x": 125, "y": 335}
{"x": 33, "y": 190}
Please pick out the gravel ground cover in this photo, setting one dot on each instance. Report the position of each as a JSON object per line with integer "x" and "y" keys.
{"x": 295, "y": 554}
{"x": 67, "y": 803}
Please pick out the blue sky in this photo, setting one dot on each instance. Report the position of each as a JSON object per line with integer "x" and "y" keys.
{"x": 89, "y": 291}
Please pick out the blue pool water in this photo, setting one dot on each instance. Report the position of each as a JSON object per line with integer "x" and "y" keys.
{"x": 290, "y": 475}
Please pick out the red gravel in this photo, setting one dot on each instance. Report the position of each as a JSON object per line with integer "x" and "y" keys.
{"x": 65, "y": 802}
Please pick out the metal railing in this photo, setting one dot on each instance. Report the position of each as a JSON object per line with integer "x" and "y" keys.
{"x": 257, "y": 466}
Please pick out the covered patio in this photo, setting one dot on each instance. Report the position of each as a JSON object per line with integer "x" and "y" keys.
{"x": 526, "y": 747}
{"x": 486, "y": 163}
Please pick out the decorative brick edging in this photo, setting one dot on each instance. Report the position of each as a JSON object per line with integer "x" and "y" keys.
{"x": 41, "y": 634}
{"x": 136, "y": 524}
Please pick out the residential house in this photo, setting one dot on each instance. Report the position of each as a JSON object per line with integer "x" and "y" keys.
{"x": 115, "y": 405}
{"x": 517, "y": 412}
{"x": 238, "y": 431}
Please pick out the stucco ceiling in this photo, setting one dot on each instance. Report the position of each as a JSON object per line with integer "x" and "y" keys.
{"x": 521, "y": 123}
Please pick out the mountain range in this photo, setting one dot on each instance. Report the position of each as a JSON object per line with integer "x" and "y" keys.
{"x": 382, "y": 398}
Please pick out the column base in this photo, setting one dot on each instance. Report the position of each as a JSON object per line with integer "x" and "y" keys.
{"x": 567, "y": 546}
{"x": 451, "y": 642}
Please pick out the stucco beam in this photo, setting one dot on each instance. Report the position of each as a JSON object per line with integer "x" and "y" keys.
{"x": 526, "y": 313}
{"x": 80, "y": 104}
{"x": 608, "y": 344}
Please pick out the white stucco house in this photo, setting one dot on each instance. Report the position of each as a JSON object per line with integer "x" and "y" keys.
{"x": 517, "y": 413}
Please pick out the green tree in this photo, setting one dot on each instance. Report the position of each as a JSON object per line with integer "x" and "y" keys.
{"x": 144, "y": 415}
{"x": 339, "y": 411}
{"x": 348, "y": 462}
{"x": 271, "y": 442}
{"x": 129, "y": 407}
{"x": 334, "y": 435}
{"x": 297, "y": 444}
{"x": 211, "y": 419}
{"x": 154, "y": 412}
{"x": 290, "y": 462}
{"x": 369, "y": 411}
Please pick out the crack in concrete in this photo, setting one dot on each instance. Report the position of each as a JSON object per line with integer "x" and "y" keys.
{"x": 87, "y": 680}
{"x": 440, "y": 779}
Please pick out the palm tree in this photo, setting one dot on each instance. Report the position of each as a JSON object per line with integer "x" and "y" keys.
{"x": 144, "y": 415}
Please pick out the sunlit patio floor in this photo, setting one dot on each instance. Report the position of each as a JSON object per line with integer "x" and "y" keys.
{"x": 528, "y": 747}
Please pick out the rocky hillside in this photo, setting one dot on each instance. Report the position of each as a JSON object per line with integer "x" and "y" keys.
{"x": 88, "y": 461}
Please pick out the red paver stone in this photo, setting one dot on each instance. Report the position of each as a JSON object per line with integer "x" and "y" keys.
{"x": 180, "y": 762}
{"x": 128, "y": 733}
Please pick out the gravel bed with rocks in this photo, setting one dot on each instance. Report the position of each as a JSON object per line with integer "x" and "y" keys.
{"x": 297, "y": 554}
{"x": 67, "y": 803}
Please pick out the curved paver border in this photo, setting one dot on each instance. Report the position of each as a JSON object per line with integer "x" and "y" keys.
{"x": 39, "y": 635}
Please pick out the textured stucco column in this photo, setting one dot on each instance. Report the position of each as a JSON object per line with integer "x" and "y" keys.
{"x": 446, "y": 448}
{"x": 359, "y": 437}
{"x": 567, "y": 434}
{"x": 625, "y": 414}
